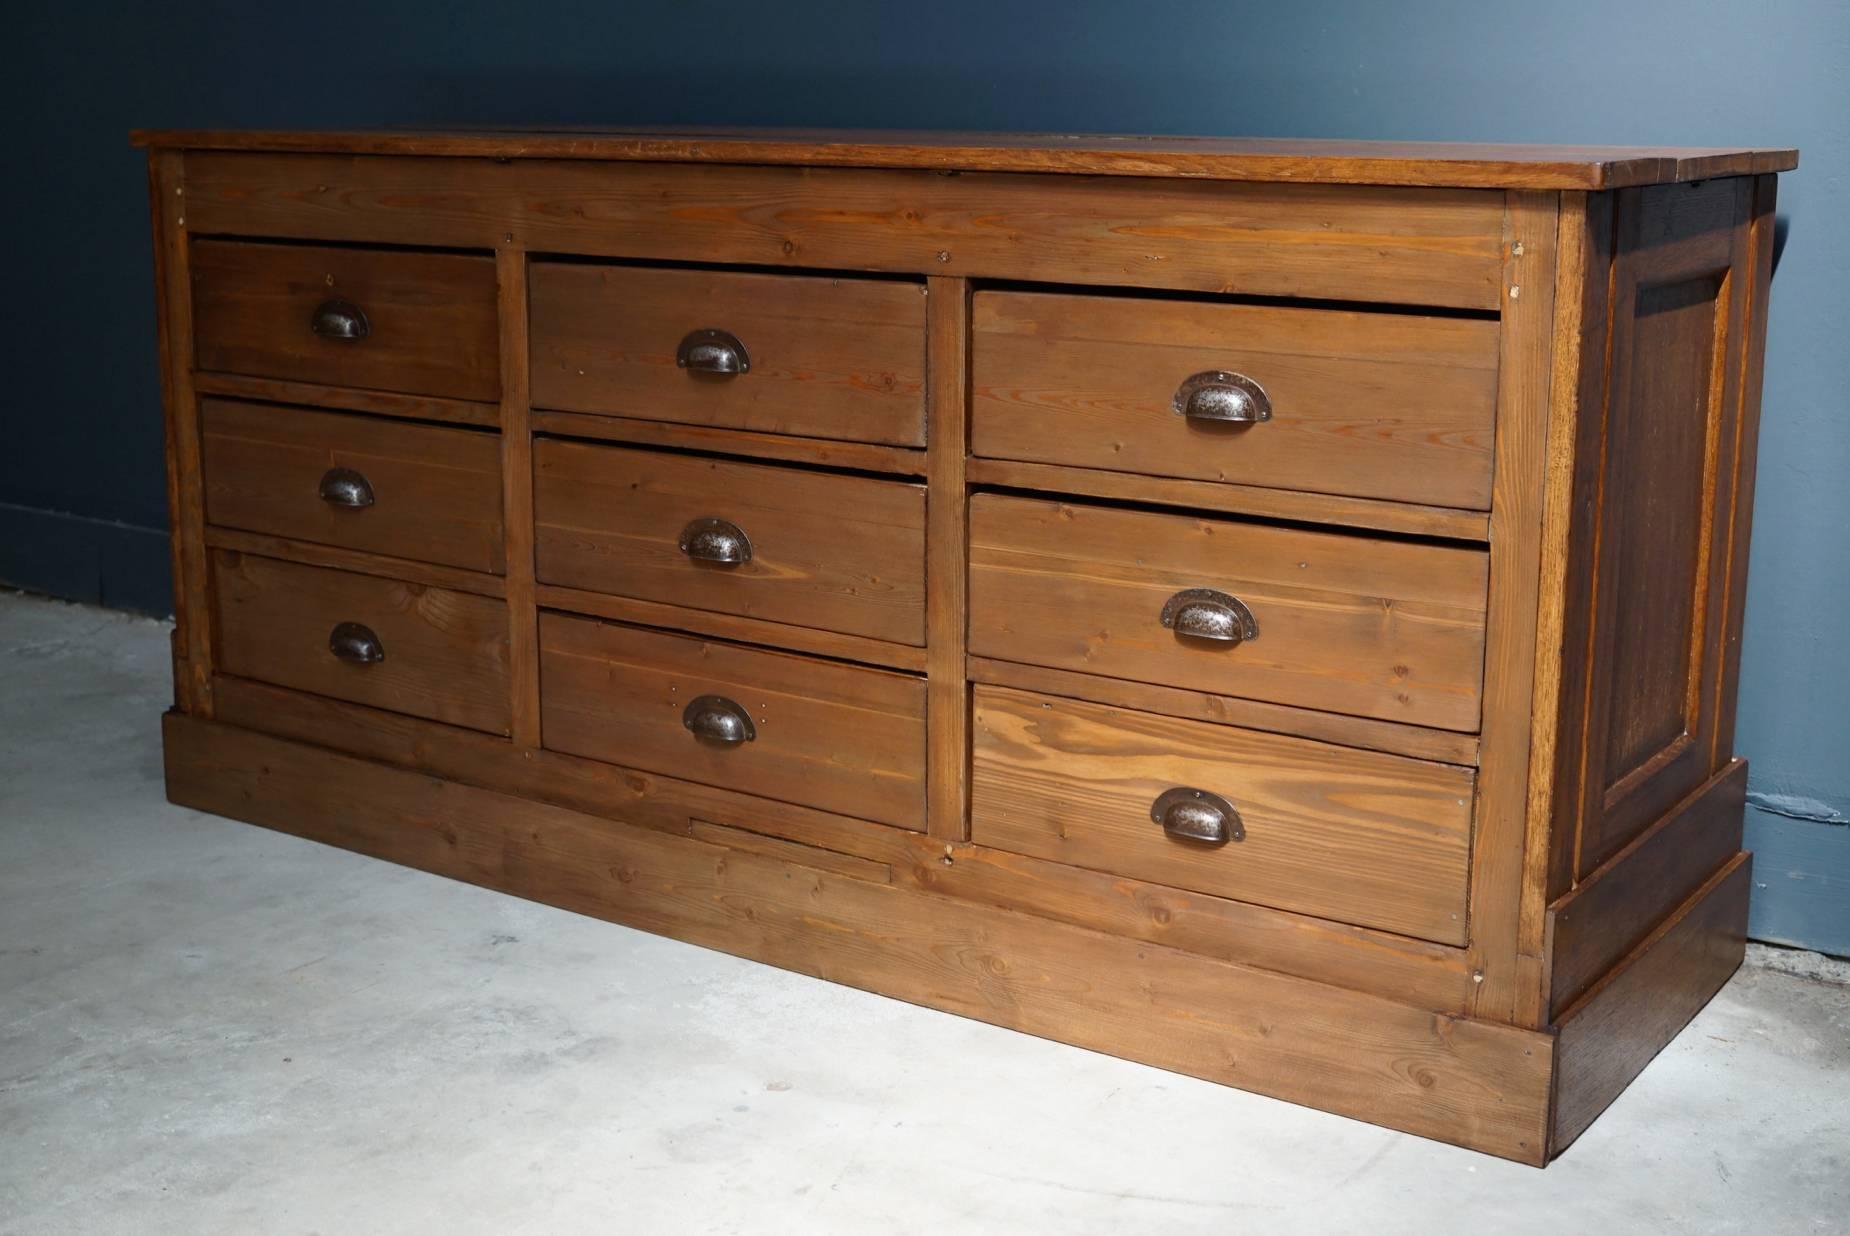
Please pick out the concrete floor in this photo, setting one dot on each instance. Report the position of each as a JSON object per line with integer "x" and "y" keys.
{"x": 206, "y": 1027}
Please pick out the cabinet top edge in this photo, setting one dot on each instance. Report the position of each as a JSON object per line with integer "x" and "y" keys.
{"x": 1456, "y": 165}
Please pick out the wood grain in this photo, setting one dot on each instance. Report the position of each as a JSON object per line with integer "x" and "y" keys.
{"x": 1397, "y": 246}
{"x": 1478, "y": 1085}
{"x": 818, "y": 857}
{"x": 1591, "y": 928}
{"x": 840, "y": 738}
{"x": 1444, "y": 746}
{"x": 732, "y": 627}
{"x": 374, "y": 403}
{"x": 947, "y": 560}
{"x": 1406, "y": 970}
{"x": 1350, "y": 624}
{"x": 1462, "y": 164}
{"x": 431, "y": 317}
{"x": 357, "y": 562}
{"x": 1359, "y": 837}
{"x": 829, "y": 358}
{"x": 1232, "y": 499}
{"x": 836, "y": 553}
{"x": 445, "y": 652}
{"x": 1611, "y": 1033}
{"x": 436, "y": 492}
{"x": 1389, "y": 406}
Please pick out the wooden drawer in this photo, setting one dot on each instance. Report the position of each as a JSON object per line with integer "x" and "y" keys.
{"x": 838, "y": 737}
{"x": 1346, "y": 623}
{"x": 1358, "y": 836}
{"x": 837, "y": 553}
{"x": 445, "y": 654}
{"x": 428, "y": 493}
{"x": 826, "y": 358}
{"x": 276, "y": 311}
{"x": 1373, "y": 405}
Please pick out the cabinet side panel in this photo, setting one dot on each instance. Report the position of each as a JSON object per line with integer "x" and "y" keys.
{"x": 1654, "y": 528}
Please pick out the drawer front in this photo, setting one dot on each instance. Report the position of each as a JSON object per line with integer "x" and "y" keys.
{"x": 1345, "y": 623}
{"x": 837, "y": 553}
{"x": 813, "y": 357}
{"x": 442, "y": 654}
{"x": 822, "y": 734}
{"x": 1372, "y": 405}
{"x": 388, "y": 320}
{"x": 1378, "y": 840}
{"x": 410, "y": 491}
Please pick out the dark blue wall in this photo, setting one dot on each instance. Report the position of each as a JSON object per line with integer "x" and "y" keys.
{"x": 81, "y": 500}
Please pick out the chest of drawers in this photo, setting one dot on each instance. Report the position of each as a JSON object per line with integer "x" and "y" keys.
{"x": 1269, "y": 610}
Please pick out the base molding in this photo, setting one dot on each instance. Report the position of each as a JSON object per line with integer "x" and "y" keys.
{"x": 1477, "y": 1084}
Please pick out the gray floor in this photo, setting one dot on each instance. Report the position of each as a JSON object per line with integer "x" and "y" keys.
{"x": 206, "y": 1027}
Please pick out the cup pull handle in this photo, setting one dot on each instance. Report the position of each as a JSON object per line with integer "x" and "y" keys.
{"x": 1188, "y": 814}
{"x": 355, "y": 644}
{"x": 713, "y": 351}
{"x": 340, "y": 319}
{"x": 714, "y": 718}
{"x": 345, "y": 488}
{"x": 1207, "y": 613}
{"x": 1222, "y": 397}
{"x": 716, "y": 540}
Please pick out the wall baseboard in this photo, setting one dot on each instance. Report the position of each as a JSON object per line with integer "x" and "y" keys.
{"x": 1801, "y": 894}
{"x": 97, "y": 561}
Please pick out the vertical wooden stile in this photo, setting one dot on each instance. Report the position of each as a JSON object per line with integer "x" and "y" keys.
{"x": 947, "y": 343}
{"x": 192, "y": 644}
{"x": 517, "y": 497}
{"x": 1518, "y": 491}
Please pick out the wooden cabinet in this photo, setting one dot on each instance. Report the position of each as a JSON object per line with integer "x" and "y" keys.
{"x": 1267, "y": 610}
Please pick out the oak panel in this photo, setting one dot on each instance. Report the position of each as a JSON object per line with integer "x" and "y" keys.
{"x": 828, "y": 358}
{"x": 838, "y": 553}
{"x": 446, "y": 653}
{"x": 1350, "y": 624}
{"x": 431, "y": 317}
{"x": 436, "y": 492}
{"x": 840, "y": 738}
{"x": 1393, "y": 406}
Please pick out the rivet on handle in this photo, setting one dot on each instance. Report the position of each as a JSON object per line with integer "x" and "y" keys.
{"x": 714, "y": 718}
{"x": 355, "y": 644}
{"x": 1207, "y": 613}
{"x": 713, "y": 351}
{"x": 340, "y": 319}
{"x": 1188, "y": 814}
{"x": 1223, "y": 397}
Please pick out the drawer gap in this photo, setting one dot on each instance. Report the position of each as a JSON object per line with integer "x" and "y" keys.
{"x": 727, "y": 268}
{"x": 654, "y": 445}
{"x": 1381, "y": 308}
{"x": 1223, "y": 515}
{"x": 692, "y": 632}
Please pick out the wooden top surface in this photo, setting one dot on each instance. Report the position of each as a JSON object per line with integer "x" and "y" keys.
{"x": 1429, "y": 164}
